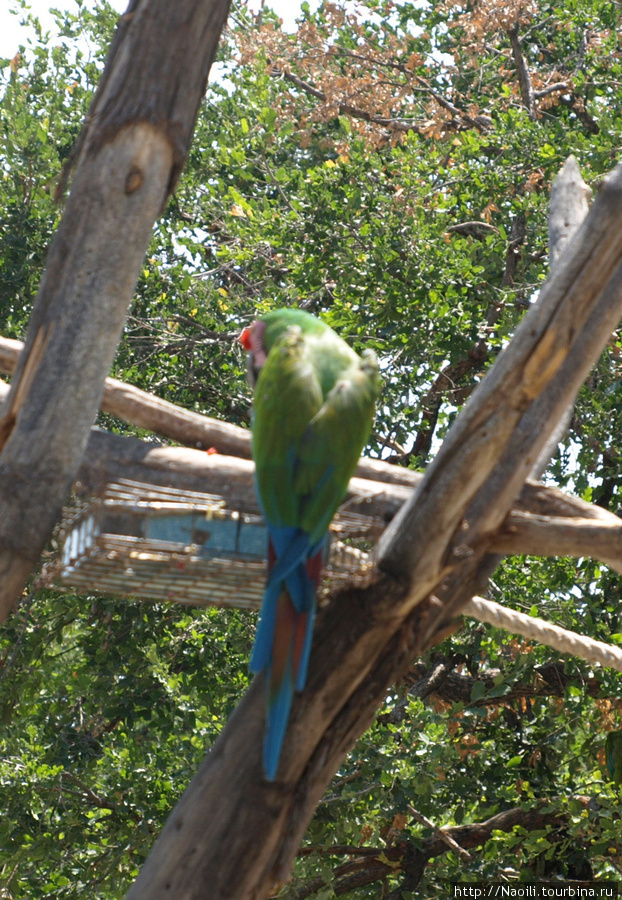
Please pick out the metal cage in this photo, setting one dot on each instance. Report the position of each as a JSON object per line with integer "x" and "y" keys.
{"x": 161, "y": 543}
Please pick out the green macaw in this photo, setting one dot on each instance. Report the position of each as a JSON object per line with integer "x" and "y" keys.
{"x": 613, "y": 755}
{"x": 312, "y": 415}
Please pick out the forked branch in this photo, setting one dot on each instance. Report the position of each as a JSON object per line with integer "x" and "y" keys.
{"x": 438, "y": 553}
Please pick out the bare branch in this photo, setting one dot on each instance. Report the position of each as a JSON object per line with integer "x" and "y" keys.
{"x": 399, "y": 125}
{"x": 86, "y": 792}
{"x": 524, "y": 79}
{"x": 461, "y": 119}
{"x": 481, "y": 123}
{"x": 440, "y": 833}
{"x": 552, "y": 89}
{"x": 577, "y": 105}
{"x": 568, "y": 207}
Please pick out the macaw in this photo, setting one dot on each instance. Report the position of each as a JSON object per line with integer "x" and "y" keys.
{"x": 613, "y": 755}
{"x": 312, "y": 415}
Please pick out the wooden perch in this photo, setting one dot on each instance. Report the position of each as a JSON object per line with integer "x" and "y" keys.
{"x": 144, "y": 410}
{"x": 543, "y": 522}
{"x": 568, "y": 207}
{"x": 147, "y": 411}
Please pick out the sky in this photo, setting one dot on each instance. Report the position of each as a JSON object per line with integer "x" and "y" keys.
{"x": 11, "y": 34}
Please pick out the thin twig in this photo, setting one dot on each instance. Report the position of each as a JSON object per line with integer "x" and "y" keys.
{"x": 423, "y": 820}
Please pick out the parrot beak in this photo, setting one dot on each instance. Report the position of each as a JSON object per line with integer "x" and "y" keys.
{"x": 251, "y": 340}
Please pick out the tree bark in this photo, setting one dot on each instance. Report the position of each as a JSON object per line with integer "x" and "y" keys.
{"x": 568, "y": 207}
{"x": 131, "y": 152}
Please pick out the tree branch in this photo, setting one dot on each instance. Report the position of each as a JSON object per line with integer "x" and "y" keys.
{"x": 462, "y": 119}
{"x": 345, "y": 108}
{"x": 480, "y": 123}
{"x": 409, "y": 859}
{"x": 549, "y": 680}
{"x": 559, "y": 86}
{"x": 145, "y": 410}
{"x": 86, "y": 792}
{"x": 441, "y": 833}
{"x": 524, "y": 79}
{"x": 367, "y": 637}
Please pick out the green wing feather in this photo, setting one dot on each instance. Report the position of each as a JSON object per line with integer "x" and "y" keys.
{"x": 332, "y": 444}
{"x": 287, "y": 397}
{"x": 313, "y": 411}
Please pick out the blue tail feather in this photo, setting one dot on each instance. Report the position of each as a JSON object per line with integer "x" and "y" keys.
{"x": 277, "y": 716}
{"x": 301, "y": 674}
{"x": 284, "y": 635}
{"x": 291, "y": 546}
{"x": 262, "y": 648}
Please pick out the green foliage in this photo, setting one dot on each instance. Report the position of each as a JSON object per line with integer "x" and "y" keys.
{"x": 107, "y": 709}
{"x": 107, "y": 706}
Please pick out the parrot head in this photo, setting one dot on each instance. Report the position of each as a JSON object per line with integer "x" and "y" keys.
{"x": 252, "y": 341}
{"x": 259, "y": 337}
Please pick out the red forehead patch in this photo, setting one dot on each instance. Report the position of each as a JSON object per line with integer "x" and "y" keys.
{"x": 245, "y": 339}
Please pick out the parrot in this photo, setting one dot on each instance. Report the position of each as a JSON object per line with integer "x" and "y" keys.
{"x": 613, "y": 755}
{"x": 313, "y": 408}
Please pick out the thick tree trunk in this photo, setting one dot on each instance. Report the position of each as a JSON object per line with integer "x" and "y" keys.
{"x": 234, "y": 831}
{"x": 139, "y": 130}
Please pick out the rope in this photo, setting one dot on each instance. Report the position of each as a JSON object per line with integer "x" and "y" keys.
{"x": 542, "y": 631}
